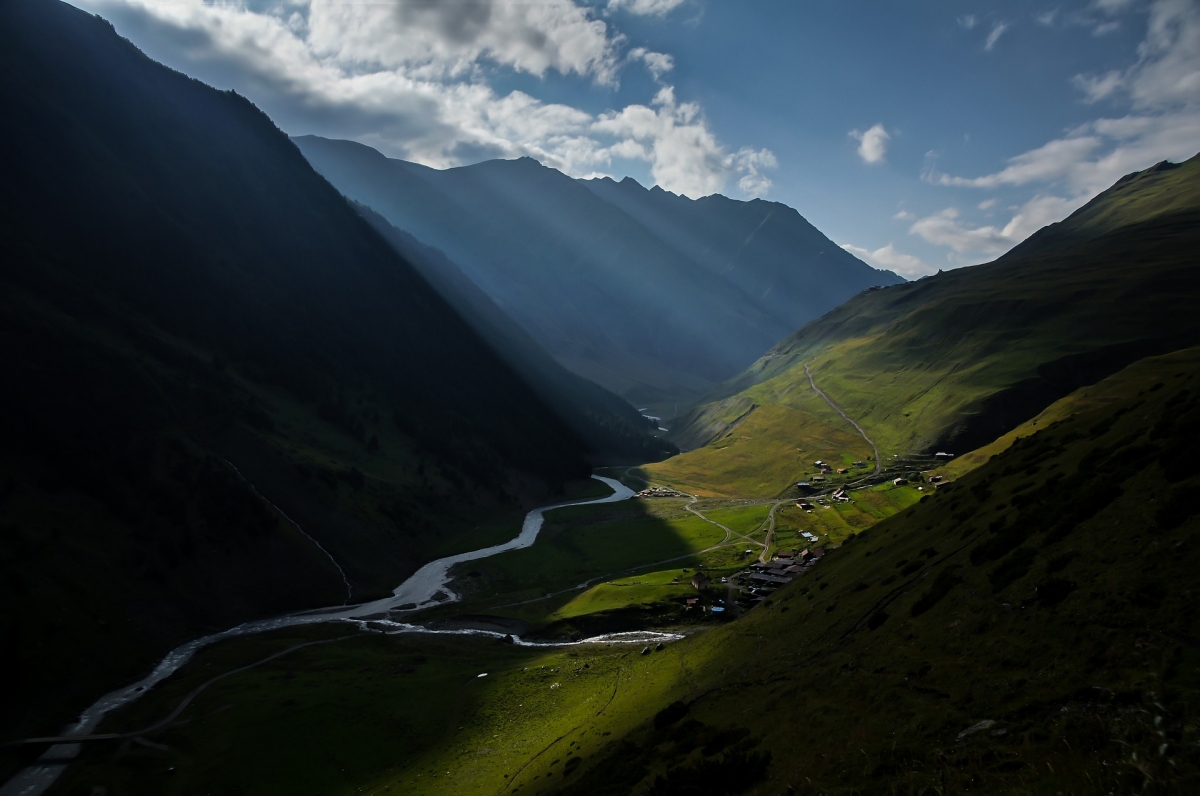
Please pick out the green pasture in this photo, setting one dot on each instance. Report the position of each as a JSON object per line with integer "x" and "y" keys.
{"x": 644, "y": 590}
{"x": 380, "y": 714}
{"x": 742, "y": 519}
{"x": 771, "y": 448}
{"x": 586, "y": 543}
{"x": 833, "y": 522}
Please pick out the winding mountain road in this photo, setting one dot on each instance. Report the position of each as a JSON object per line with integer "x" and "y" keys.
{"x": 846, "y": 417}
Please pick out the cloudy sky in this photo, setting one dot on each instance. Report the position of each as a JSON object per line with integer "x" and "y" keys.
{"x": 919, "y": 136}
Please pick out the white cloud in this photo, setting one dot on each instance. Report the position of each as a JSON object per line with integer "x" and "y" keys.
{"x": 969, "y": 21}
{"x": 1163, "y": 90}
{"x": 997, "y": 31}
{"x": 1048, "y": 162}
{"x": 987, "y": 204}
{"x": 750, "y": 164}
{"x": 890, "y": 259}
{"x": 1095, "y": 155}
{"x": 655, "y": 8}
{"x": 411, "y": 79}
{"x": 1097, "y": 87}
{"x": 1168, "y": 70}
{"x": 684, "y": 155}
{"x": 872, "y": 144}
{"x": 658, "y": 64}
{"x": 948, "y": 229}
{"x": 945, "y": 229}
{"x": 1047, "y": 19}
{"x": 451, "y": 38}
{"x": 1105, "y": 28}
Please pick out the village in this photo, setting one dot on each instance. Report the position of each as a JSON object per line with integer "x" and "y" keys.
{"x": 752, "y": 585}
{"x": 761, "y": 579}
{"x": 724, "y": 594}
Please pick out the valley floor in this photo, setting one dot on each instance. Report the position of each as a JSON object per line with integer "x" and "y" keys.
{"x": 1020, "y": 630}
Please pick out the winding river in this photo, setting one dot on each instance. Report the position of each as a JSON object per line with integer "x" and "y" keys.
{"x": 418, "y": 591}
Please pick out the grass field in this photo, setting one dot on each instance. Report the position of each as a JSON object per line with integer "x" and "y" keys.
{"x": 584, "y": 543}
{"x": 646, "y": 590}
{"x": 770, "y": 448}
{"x": 835, "y": 522}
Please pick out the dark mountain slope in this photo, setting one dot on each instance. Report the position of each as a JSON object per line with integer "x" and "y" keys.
{"x": 181, "y": 293}
{"x": 600, "y": 290}
{"x": 614, "y": 430}
{"x": 955, "y": 360}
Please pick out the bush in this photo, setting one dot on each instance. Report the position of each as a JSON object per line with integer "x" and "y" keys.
{"x": 946, "y": 580}
{"x": 670, "y": 714}
{"x": 1053, "y": 591}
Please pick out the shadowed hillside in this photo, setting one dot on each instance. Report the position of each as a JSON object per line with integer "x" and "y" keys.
{"x": 615, "y": 431}
{"x": 187, "y": 310}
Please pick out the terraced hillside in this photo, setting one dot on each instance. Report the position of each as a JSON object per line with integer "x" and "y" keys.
{"x": 955, "y": 360}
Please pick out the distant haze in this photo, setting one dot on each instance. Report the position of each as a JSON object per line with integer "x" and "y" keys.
{"x": 650, "y": 294}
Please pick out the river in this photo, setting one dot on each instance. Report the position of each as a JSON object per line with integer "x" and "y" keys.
{"x": 418, "y": 590}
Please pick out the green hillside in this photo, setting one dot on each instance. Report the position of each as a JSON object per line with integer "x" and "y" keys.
{"x": 953, "y": 361}
{"x": 1024, "y": 630}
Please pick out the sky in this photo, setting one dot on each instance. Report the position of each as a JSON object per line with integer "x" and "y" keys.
{"x": 918, "y": 136}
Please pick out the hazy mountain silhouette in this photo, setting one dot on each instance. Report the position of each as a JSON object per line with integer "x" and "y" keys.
{"x": 613, "y": 429}
{"x": 652, "y": 295}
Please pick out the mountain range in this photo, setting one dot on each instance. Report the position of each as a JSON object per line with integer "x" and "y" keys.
{"x": 653, "y": 295}
{"x": 248, "y": 374}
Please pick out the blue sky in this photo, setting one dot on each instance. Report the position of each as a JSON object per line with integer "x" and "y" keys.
{"x": 918, "y": 135}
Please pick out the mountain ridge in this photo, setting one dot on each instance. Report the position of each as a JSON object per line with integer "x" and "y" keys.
{"x": 595, "y": 285}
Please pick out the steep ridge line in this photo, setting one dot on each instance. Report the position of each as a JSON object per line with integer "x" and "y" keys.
{"x": 838, "y": 409}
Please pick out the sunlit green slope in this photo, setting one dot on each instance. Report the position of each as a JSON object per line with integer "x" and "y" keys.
{"x": 955, "y": 360}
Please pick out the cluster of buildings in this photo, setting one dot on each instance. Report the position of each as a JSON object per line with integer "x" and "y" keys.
{"x": 763, "y": 578}
{"x": 659, "y": 491}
